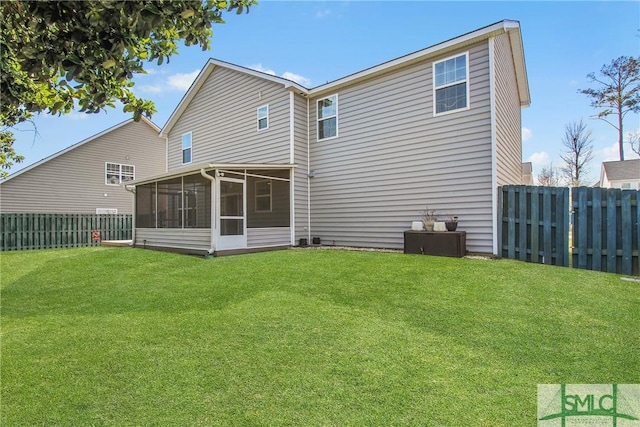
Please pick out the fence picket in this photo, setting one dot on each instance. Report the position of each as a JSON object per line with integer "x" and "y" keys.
{"x": 625, "y": 210}
{"x": 596, "y": 229}
{"x": 535, "y": 225}
{"x": 611, "y": 231}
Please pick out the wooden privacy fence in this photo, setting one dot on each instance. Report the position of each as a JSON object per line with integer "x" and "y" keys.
{"x": 606, "y": 229}
{"x": 604, "y": 235}
{"x": 43, "y": 231}
{"x": 534, "y": 224}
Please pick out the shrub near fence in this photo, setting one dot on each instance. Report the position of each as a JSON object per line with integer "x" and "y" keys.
{"x": 44, "y": 231}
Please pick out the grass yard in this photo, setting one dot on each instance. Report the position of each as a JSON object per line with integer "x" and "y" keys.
{"x": 119, "y": 336}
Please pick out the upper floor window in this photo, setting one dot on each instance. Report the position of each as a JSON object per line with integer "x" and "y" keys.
{"x": 186, "y": 148}
{"x": 451, "y": 84}
{"x": 116, "y": 174}
{"x": 328, "y": 117}
{"x": 263, "y": 117}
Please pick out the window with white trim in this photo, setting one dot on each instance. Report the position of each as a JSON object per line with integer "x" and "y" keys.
{"x": 263, "y": 196}
{"x": 451, "y": 84}
{"x": 263, "y": 117}
{"x": 328, "y": 117}
{"x": 186, "y": 148}
{"x": 116, "y": 173}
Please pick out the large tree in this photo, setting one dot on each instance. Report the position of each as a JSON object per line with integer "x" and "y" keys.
{"x": 577, "y": 153}
{"x": 617, "y": 94}
{"x": 59, "y": 55}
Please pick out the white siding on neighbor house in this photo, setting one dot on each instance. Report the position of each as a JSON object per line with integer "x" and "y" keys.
{"x": 74, "y": 181}
{"x": 181, "y": 238}
{"x": 301, "y": 180}
{"x": 392, "y": 158}
{"x": 275, "y": 236}
{"x": 222, "y": 119}
{"x": 507, "y": 115}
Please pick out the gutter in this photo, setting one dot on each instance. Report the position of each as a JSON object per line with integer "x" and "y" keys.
{"x": 212, "y": 247}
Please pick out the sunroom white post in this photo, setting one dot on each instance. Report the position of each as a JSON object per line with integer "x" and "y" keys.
{"x": 212, "y": 247}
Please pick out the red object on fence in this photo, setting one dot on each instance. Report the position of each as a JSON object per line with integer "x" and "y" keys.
{"x": 95, "y": 235}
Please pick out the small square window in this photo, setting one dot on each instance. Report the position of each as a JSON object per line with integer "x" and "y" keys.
{"x": 263, "y": 117}
{"x": 116, "y": 174}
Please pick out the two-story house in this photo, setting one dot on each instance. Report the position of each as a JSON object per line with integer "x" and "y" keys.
{"x": 257, "y": 161}
{"x": 87, "y": 177}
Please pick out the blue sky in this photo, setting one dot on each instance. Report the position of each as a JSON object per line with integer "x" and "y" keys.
{"x": 315, "y": 42}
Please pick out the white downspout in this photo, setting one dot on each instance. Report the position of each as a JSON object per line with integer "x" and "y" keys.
{"x": 133, "y": 217}
{"x": 308, "y": 178}
{"x": 212, "y": 247}
{"x": 292, "y": 158}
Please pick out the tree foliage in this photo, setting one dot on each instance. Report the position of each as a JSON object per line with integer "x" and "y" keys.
{"x": 577, "y": 153}
{"x": 618, "y": 92}
{"x": 56, "y": 56}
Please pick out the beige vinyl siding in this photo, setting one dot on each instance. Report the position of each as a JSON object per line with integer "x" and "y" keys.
{"x": 222, "y": 119}
{"x": 74, "y": 182}
{"x": 508, "y": 115}
{"x": 181, "y": 238}
{"x": 392, "y": 158}
{"x": 274, "y": 236}
{"x": 301, "y": 180}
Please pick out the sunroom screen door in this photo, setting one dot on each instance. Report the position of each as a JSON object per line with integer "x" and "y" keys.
{"x": 232, "y": 221}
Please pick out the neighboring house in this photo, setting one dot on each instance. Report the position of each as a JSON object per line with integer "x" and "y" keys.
{"x": 86, "y": 177}
{"x": 623, "y": 174}
{"x": 257, "y": 161}
{"x": 527, "y": 173}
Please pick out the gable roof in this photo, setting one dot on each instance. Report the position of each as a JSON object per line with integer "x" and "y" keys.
{"x": 512, "y": 28}
{"x": 79, "y": 144}
{"x": 622, "y": 170}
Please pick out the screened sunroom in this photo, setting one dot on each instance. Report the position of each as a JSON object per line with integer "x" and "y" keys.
{"x": 215, "y": 209}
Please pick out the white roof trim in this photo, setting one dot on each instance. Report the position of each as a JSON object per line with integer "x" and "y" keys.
{"x": 78, "y": 144}
{"x": 208, "y": 166}
{"x": 202, "y": 77}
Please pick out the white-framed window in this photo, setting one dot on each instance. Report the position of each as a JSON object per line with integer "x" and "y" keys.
{"x": 626, "y": 186}
{"x": 451, "y": 84}
{"x": 263, "y": 117}
{"x": 116, "y": 173}
{"x": 263, "y": 196}
{"x": 328, "y": 117}
{"x": 186, "y": 147}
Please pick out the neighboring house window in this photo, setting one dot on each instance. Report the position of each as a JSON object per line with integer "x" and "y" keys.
{"x": 116, "y": 174}
{"x": 106, "y": 211}
{"x": 328, "y": 117}
{"x": 186, "y": 148}
{"x": 451, "y": 84}
{"x": 263, "y": 196}
{"x": 626, "y": 186}
{"x": 263, "y": 117}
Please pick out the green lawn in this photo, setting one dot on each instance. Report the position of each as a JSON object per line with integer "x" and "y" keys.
{"x": 119, "y": 336}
